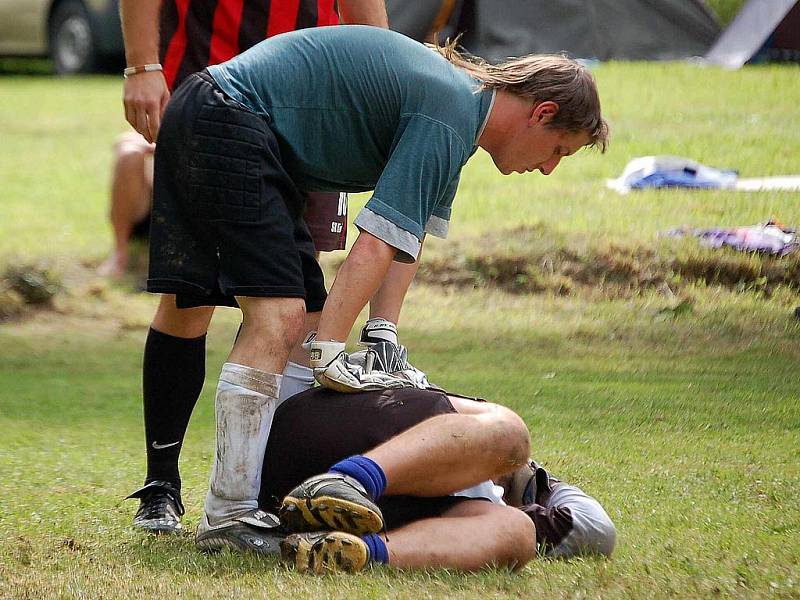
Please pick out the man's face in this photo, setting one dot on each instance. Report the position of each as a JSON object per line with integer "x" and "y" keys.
{"x": 534, "y": 145}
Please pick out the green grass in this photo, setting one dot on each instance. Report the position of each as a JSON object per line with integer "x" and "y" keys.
{"x": 685, "y": 425}
{"x": 725, "y": 9}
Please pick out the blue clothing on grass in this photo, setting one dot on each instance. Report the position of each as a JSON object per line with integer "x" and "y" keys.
{"x": 406, "y": 118}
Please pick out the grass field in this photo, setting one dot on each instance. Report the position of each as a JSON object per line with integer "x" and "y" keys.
{"x": 684, "y": 423}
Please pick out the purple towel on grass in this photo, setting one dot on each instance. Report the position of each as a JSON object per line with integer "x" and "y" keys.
{"x": 770, "y": 238}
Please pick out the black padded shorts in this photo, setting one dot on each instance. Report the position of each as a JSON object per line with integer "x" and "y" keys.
{"x": 315, "y": 429}
{"x": 227, "y": 219}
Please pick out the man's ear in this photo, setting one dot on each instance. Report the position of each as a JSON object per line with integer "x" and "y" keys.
{"x": 544, "y": 112}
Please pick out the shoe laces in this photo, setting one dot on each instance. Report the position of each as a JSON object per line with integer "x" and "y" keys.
{"x": 156, "y": 504}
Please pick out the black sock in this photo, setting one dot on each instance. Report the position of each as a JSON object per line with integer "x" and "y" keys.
{"x": 172, "y": 377}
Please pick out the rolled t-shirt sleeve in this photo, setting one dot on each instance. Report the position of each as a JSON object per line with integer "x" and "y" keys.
{"x": 439, "y": 222}
{"x": 417, "y": 186}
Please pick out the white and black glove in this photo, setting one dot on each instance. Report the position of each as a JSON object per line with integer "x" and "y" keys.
{"x": 333, "y": 369}
{"x": 393, "y": 359}
{"x": 378, "y": 330}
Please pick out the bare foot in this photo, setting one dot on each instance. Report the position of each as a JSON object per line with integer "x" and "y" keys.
{"x": 114, "y": 266}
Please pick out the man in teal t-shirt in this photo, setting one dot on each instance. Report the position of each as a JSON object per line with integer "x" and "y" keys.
{"x": 239, "y": 143}
{"x": 411, "y": 119}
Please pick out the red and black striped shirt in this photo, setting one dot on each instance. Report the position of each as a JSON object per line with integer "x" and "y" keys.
{"x": 198, "y": 33}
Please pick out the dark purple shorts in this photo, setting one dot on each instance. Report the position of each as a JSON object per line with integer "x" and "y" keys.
{"x": 318, "y": 428}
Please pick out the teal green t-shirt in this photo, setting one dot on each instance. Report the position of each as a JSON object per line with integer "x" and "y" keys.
{"x": 358, "y": 108}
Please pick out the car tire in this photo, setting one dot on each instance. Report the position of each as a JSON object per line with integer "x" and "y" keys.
{"x": 72, "y": 44}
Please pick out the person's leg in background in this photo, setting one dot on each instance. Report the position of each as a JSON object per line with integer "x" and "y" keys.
{"x": 131, "y": 197}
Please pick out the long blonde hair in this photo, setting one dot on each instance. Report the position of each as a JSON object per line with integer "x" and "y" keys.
{"x": 541, "y": 77}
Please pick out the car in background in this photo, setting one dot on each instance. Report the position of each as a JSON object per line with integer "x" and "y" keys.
{"x": 79, "y": 36}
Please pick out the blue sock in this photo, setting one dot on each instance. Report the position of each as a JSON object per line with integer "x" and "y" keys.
{"x": 364, "y": 470}
{"x": 378, "y": 553}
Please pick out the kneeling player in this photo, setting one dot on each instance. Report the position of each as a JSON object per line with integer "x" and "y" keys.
{"x": 402, "y": 455}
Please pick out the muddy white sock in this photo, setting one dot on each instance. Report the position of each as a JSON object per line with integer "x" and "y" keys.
{"x": 296, "y": 378}
{"x": 245, "y": 405}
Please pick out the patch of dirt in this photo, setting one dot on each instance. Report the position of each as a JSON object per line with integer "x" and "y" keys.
{"x": 70, "y": 294}
{"x": 523, "y": 260}
{"x": 27, "y": 285}
{"x": 536, "y": 260}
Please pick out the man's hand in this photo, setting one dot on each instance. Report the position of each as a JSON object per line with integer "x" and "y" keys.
{"x": 392, "y": 358}
{"x": 145, "y": 96}
{"x": 385, "y": 353}
{"x": 334, "y": 370}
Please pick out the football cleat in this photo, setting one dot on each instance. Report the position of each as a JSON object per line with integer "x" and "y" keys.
{"x": 160, "y": 508}
{"x": 331, "y": 501}
{"x": 254, "y": 531}
{"x": 325, "y": 552}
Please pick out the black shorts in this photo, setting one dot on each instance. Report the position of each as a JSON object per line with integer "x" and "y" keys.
{"x": 227, "y": 219}
{"x": 325, "y": 216}
{"x": 318, "y": 428}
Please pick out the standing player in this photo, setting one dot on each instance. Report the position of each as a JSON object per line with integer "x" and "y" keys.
{"x": 241, "y": 139}
{"x": 193, "y": 34}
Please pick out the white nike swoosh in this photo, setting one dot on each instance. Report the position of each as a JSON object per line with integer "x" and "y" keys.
{"x": 158, "y": 446}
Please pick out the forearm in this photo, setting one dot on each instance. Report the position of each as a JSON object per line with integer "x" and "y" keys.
{"x": 144, "y": 95}
{"x": 358, "y": 278}
{"x": 364, "y": 12}
{"x": 140, "y": 30}
{"x": 388, "y": 300}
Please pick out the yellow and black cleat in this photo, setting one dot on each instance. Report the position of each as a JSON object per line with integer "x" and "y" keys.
{"x": 331, "y": 502}
{"x": 325, "y": 552}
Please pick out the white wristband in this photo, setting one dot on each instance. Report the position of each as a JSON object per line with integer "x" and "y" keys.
{"x": 128, "y": 71}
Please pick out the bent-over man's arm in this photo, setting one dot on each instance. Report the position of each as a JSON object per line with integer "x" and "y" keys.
{"x": 358, "y": 278}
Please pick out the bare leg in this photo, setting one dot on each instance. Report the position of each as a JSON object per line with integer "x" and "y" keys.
{"x": 471, "y": 535}
{"x": 247, "y": 396}
{"x": 271, "y": 327}
{"x": 131, "y": 197}
{"x": 470, "y": 407}
{"x": 451, "y": 452}
{"x": 298, "y": 375}
{"x": 181, "y": 322}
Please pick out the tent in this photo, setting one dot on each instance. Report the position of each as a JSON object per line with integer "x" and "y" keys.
{"x": 763, "y": 29}
{"x": 602, "y": 29}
